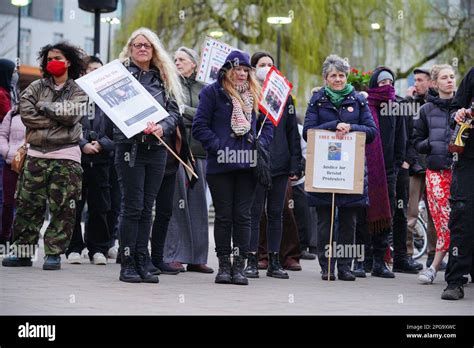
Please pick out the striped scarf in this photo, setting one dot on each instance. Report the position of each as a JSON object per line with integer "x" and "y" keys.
{"x": 240, "y": 121}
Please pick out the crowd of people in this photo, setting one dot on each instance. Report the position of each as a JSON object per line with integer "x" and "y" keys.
{"x": 138, "y": 193}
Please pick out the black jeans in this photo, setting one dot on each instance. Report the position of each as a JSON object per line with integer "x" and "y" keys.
{"x": 303, "y": 218}
{"x": 164, "y": 210}
{"x": 232, "y": 196}
{"x": 115, "y": 200}
{"x": 400, "y": 221}
{"x": 139, "y": 186}
{"x": 344, "y": 235}
{"x": 275, "y": 201}
{"x": 96, "y": 192}
{"x": 461, "y": 222}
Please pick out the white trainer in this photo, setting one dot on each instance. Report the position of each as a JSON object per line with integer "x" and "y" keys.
{"x": 428, "y": 276}
{"x": 74, "y": 259}
{"x": 113, "y": 252}
{"x": 99, "y": 259}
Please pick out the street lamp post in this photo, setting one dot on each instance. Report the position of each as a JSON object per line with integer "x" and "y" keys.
{"x": 19, "y": 4}
{"x": 279, "y": 22}
{"x": 110, "y": 21}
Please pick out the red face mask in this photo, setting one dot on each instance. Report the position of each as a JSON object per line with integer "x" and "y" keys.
{"x": 56, "y": 68}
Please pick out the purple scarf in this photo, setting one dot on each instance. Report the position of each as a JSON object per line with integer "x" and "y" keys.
{"x": 379, "y": 217}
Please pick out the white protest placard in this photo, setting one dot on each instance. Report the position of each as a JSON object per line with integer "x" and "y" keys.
{"x": 123, "y": 99}
{"x": 214, "y": 53}
{"x": 335, "y": 165}
{"x": 275, "y": 92}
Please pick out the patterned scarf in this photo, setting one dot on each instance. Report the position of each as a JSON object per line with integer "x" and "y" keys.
{"x": 240, "y": 121}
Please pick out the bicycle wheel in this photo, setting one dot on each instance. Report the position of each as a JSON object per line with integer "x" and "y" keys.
{"x": 420, "y": 239}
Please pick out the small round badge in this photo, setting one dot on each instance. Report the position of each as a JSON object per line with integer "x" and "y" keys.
{"x": 350, "y": 109}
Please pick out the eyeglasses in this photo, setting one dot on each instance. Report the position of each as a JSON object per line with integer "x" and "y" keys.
{"x": 140, "y": 45}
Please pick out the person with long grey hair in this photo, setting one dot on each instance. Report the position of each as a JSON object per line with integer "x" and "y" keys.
{"x": 141, "y": 160}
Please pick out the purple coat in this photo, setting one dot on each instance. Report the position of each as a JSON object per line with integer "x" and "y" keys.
{"x": 211, "y": 127}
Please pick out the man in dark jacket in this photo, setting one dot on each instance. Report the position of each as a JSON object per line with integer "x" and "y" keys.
{"x": 416, "y": 97}
{"x": 97, "y": 148}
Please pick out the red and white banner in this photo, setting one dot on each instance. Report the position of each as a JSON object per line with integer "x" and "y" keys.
{"x": 275, "y": 92}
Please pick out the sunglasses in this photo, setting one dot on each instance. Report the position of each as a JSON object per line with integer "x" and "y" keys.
{"x": 140, "y": 45}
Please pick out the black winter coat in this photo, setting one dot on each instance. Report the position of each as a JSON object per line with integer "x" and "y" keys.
{"x": 432, "y": 132}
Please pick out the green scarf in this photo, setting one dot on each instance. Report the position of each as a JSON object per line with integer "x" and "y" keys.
{"x": 336, "y": 97}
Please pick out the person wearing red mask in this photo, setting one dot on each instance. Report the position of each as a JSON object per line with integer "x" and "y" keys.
{"x": 51, "y": 109}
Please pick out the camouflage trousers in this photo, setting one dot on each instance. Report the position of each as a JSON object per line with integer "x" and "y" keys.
{"x": 56, "y": 182}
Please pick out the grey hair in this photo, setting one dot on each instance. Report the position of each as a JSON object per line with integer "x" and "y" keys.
{"x": 333, "y": 61}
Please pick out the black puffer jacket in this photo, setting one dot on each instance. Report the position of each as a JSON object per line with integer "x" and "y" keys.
{"x": 432, "y": 132}
{"x": 285, "y": 148}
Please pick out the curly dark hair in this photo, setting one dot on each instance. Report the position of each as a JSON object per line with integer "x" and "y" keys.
{"x": 75, "y": 55}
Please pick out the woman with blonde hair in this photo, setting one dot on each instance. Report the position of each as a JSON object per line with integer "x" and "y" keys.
{"x": 432, "y": 135}
{"x": 140, "y": 161}
{"x": 225, "y": 124}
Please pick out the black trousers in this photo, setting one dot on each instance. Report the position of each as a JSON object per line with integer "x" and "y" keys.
{"x": 303, "y": 216}
{"x": 400, "y": 221}
{"x": 461, "y": 222}
{"x": 139, "y": 186}
{"x": 275, "y": 201}
{"x": 164, "y": 210}
{"x": 96, "y": 192}
{"x": 232, "y": 195}
{"x": 344, "y": 235}
{"x": 115, "y": 200}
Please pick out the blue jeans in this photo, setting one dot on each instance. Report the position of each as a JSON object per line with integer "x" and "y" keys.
{"x": 139, "y": 186}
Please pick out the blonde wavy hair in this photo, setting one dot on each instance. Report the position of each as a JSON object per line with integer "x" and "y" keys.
{"x": 161, "y": 59}
{"x": 254, "y": 87}
{"x": 436, "y": 69}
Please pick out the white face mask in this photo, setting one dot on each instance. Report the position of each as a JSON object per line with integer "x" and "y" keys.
{"x": 261, "y": 73}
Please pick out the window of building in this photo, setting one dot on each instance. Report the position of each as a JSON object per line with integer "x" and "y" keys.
{"x": 57, "y": 37}
{"x": 89, "y": 46}
{"x": 58, "y": 11}
{"x": 25, "y": 46}
{"x": 26, "y": 10}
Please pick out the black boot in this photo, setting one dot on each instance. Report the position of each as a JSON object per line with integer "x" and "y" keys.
{"x": 224, "y": 274}
{"x": 359, "y": 270}
{"x": 128, "y": 272}
{"x": 344, "y": 272}
{"x": 142, "y": 268}
{"x": 251, "y": 271}
{"x": 274, "y": 268}
{"x": 404, "y": 266}
{"x": 238, "y": 275}
{"x": 368, "y": 263}
{"x": 379, "y": 269}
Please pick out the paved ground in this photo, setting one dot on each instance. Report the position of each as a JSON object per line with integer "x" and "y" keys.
{"x": 90, "y": 289}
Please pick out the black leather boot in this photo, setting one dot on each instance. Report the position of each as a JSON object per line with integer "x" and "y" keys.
{"x": 224, "y": 275}
{"x": 238, "y": 275}
{"x": 128, "y": 272}
{"x": 142, "y": 268}
{"x": 274, "y": 268}
{"x": 251, "y": 271}
{"x": 379, "y": 269}
{"x": 344, "y": 272}
{"x": 404, "y": 266}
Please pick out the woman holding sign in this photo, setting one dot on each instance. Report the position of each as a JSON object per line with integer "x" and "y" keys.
{"x": 285, "y": 153}
{"x": 225, "y": 124}
{"x": 140, "y": 161}
{"x": 338, "y": 108}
